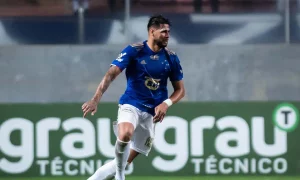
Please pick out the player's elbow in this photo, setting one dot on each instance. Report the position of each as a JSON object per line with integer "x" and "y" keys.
{"x": 182, "y": 92}
{"x": 179, "y": 89}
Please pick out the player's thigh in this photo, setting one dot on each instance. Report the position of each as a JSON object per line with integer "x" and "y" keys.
{"x": 143, "y": 135}
{"x": 127, "y": 118}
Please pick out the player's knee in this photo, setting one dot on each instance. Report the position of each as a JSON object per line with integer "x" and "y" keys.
{"x": 125, "y": 136}
{"x": 125, "y": 131}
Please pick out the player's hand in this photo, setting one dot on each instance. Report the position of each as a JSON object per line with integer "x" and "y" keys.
{"x": 90, "y": 106}
{"x": 160, "y": 112}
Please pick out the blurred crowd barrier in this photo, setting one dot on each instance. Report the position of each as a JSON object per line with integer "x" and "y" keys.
{"x": 64, "y": 73}
{"x": 68, "y": 51}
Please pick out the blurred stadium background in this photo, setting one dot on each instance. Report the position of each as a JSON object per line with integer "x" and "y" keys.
{"x": 240, "y": 60}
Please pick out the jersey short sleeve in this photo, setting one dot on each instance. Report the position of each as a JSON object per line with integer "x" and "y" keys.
{"x": 124, "y": 58}
{"x": 176, "y": 70}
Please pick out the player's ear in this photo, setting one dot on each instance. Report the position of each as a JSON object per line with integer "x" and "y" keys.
{"x": 151, "y": 31}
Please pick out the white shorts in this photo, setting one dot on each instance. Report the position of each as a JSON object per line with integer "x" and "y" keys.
{"x": 143, "y": 136}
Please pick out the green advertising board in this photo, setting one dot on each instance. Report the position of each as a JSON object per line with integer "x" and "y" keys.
{"x": 195, "y": 139}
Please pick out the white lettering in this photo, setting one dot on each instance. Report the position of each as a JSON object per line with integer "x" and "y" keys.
{"x": 99, "y": 164}
{"x": 24, "y": 151}
{"x": 258, "y": 139}
{"x": 197, "y": 127}
{"x": 239, "y": 165}
{"x": 197, "y": 164}
{"x": 43, "y": 128}
{"x": 211, "y": 165}
{"x": 222, "y": 168}
{"x": 179, "y": 149}
{"x": 86, "y": 167}
{"x": 42, "y": 164}
{"x": 56, "y": 167}
{"x": 240, "y": 136}
{"x": 104, "y": 138}
{"x": 262, "y": 168}
{"x": 277, "y": 163}
{"x": 86, "y": 138}
{"x": 253, "y": 165}
{"x": 68, "y": 168}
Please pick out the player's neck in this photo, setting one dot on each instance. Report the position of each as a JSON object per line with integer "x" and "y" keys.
{"x": 154, "y": 47}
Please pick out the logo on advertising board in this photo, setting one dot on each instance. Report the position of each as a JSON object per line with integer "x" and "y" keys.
{"x": 254, "y": 141}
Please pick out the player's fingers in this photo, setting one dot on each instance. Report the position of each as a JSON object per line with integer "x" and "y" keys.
{"x": 94, "y": 111}
{"x": 85, "y": 113}
{"x": 155, "y": 110}
{"x": 156, "y": 121}
{"x": 86, "y": 108}
{"x": 162, "y": 118}
{"x": 156, "y": 116}
{"x": 83, "y": 106}
{"x": 159, "y": 113}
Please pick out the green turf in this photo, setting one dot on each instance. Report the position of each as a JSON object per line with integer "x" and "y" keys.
{"x": 174, "y": 178}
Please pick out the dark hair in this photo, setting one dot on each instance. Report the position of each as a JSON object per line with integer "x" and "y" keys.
{"x": 157, "y": 20}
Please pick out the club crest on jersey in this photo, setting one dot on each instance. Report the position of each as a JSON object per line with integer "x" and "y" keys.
{"x": 154, "y": 57}
{"x": 151, "y": 83}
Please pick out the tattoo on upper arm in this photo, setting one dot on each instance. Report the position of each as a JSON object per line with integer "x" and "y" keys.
{"x": 113, "y": 72}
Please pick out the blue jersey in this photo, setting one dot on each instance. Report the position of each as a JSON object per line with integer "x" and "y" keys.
{"x": 147, "y": 74}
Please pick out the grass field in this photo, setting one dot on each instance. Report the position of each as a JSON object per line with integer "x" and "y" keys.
{"x": 174, "y": 178}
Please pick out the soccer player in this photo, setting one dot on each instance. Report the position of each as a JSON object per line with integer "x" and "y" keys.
{"x": 148, "y": 65}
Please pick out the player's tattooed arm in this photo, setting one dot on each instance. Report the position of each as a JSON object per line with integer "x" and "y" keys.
{"x": 111, "y": 74}
{"x": 91, "y": 105}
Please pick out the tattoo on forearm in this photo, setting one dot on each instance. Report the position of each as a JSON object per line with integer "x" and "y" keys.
{"x": 111, "y": 74}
